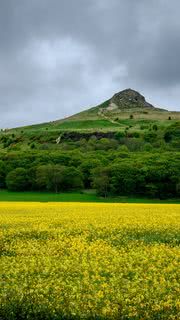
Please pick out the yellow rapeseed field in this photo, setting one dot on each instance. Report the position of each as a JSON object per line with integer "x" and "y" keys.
{"x": 89, "y": 261}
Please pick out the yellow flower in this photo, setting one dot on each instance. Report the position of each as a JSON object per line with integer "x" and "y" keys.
{"x": 90, "y": 260}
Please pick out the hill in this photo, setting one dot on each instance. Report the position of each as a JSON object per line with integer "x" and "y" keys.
{"x": 127, "y": 113}
{"x": 122, "y": 105}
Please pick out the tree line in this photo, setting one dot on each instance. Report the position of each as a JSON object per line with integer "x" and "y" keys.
{"x": 110, "y": 173}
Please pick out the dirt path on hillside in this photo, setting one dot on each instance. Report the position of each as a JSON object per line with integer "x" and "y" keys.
{"x": 102, "y": 115}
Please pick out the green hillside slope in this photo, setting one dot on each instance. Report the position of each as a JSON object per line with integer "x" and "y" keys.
{"x": 127, "y": 115}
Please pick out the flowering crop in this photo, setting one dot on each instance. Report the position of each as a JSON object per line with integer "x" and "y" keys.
{"x": 89, "y": 261}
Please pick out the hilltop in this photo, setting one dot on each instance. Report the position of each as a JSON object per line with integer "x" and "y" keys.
{"x": 122, "y": 105}
{"x": 129, "y": 99}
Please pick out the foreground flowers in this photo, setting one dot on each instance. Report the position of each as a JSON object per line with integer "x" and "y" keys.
{"x": 103, "y": 261}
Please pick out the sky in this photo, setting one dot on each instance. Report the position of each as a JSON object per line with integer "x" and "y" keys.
{"x": 59, "y": 57}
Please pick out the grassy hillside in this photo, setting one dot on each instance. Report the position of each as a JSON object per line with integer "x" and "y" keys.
{"x": 126, "y": 115}
{"x": 68, "y": 131}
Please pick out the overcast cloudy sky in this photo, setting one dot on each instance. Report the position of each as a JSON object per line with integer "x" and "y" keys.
{"x": 58, "y": 57}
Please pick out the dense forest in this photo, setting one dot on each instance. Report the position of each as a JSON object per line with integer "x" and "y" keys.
{"x": 112, "y": 166}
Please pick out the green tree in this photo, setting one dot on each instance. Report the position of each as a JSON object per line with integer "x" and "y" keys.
{"x": 17, "y": 180}
{"x": 58, "y": 178}
{"x": 178, "y": 188}
{"x": 73, "y": 179}
{"x": 2, "y": 174}
{"x": 86, "y": 168}
{"x": 50, "y": 177}
{"x": 126, "y": 179}
{"x": 151, "y": 190}
{"x": 43, "y": 176}
{"x": 101, "y": 181}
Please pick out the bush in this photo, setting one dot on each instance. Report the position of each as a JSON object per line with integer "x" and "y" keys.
{"x": 168, "y": 136}
{"x": 155, "y": 127}
{"x": 147, "y": 147}
{"x": 119, "y": 135}
{"x": 172, "y": 132}
{"x": 150, "y": 136}
{"x": 135, "y": 134}
{"x": 32, "y": 146}
{"x": 8, "y": 142}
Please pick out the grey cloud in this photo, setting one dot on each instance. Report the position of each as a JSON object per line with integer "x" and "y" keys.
{"x": 58, "y": 57}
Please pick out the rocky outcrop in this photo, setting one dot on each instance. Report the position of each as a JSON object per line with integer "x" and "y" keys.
{"x": 128, "y": 99}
